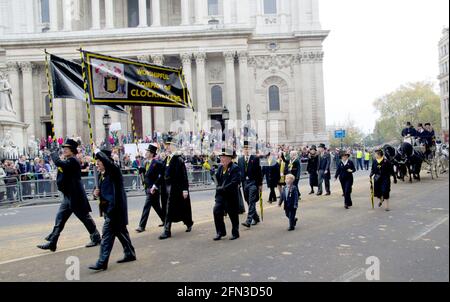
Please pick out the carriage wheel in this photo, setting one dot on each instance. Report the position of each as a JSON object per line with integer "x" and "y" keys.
{"x": 436, "y": 167}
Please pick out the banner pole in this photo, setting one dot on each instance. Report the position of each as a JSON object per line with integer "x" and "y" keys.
{"x": 88, "y": 109}
{"x": 50, "y": 96}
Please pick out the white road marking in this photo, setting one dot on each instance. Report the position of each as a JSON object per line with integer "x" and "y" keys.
{"x": 429, "y": 228}
{"x": 349, "y": 276}
{"x": 41, "y": 255}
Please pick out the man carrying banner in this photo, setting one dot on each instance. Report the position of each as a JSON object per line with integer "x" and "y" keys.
{"x": 227, "y": 195}
{"x": 251, "y": 178}
{"x": 175, "y": 190}
{"x": 74, "y": 200}
{"x": 153, "y": 177}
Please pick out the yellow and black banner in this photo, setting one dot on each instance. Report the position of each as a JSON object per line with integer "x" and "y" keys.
{"x": 117, "y": 81}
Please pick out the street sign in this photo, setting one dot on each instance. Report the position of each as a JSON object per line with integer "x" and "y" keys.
{"x": 339, "y": 134}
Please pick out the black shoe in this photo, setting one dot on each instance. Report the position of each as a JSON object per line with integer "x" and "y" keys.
{"x": 218, "y": 237}
{"x": 255, "y": 222}
{"x": 189, "y": 229}
{"x": 312, "y": 192}
{"x": 318, "y": 194}
{"x": 234, "y": 237}
{"x": 127, "y": 259}
{"x": 96, "y": 239}
{"x": 380, "y": 204}
{"x": 346, "y": 207}
{"x": 296, "y": 219}
{"x": 246, "y": 225}
{"x": 93, "y": 243}
{"x": 165, "y": 236}
{"x": 291, "y": 229}
{"x": 48, "y": 246}
{"x": 327, "y": 194}
{"x": 98, "y": 267}
{"x": 161, "y": 225}
{"x": 140, "y": 230}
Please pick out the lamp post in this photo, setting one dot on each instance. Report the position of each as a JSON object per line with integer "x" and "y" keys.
{"x": 225, "y": 118}
{"x": 107, "y": 123}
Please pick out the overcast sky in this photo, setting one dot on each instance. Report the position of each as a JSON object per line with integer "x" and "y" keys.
{"x": 373, "y": 48}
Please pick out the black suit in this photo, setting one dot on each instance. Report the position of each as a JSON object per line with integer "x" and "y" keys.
{"x": 153, "y": 178}
{"x": 227, "y": 199}
{"x": 114, "y": 206}
{"x": 273, "y": 176}
{"x": 294, "y": 168}
{"x": 346, "y": 179}
{"x": 75, "y": 200}
{"x": 251, "y": 179}
{"x": 175, "y": 183}
{"x": 324, "y": 172}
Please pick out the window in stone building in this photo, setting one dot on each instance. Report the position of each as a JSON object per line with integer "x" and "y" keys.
{"x": 133, "y": 13}
{"x": 270, "y": 7}
{"x": 274, "y": 98}
{"x": 216, "y": 96}
{"x": 47, "y": 105}
{"x": 45, "y": 11}
{"x": 213, "y": 7}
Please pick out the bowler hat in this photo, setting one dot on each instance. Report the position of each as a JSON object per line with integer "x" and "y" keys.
{"x": 72, "y": 145}
{"x": 107, "y": 152}
{"x": 170, "y": 140}
{"x": 152, "y": 148}
{"x": 102, "y": 156}
{"x": 322, "y": 146}
{"x": 313, "y": 147}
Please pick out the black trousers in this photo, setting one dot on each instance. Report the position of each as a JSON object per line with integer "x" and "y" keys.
{"x": 290, "y": 214}
{"x": 346, "y": 185}
{"x": 151, "y": 201}
{"x": 272, "y": 195}
{"x": 366, "y": 164}
{"x": 219, "y": 213}
{"x": 251, "y": 195}
{"x": 324, "y": 178}
{"x": 64, "y": 213}
{"x": 111, "y": 230}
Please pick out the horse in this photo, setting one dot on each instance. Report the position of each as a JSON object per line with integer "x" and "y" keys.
{"x": 442, "y": 155}
{"x": 397, "y": 161}
{"x": 412, "y": 160}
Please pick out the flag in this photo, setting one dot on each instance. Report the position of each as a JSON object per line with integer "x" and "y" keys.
{"x": 118, "y": 81}
{"x": 67, "y": 81}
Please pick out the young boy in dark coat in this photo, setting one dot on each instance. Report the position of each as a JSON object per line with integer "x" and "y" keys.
{"x": 290, "y": 196}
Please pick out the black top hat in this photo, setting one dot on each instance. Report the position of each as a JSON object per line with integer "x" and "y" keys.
{"x": 313, "y": 147}
{"x": 72, "y": 145}
{"x": 107, "y": 152}
{"x": 246, "y": 144}
{"x": 322, "y": 146}
{"x": 170, "y": 140}
{"x": 152, "y": 148}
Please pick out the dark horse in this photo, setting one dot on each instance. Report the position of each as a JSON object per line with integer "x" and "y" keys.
{"x": 398, "y": 161}
{"x": 414, "y": 160}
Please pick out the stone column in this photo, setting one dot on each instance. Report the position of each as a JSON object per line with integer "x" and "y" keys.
{"x": 156, "y": 13}
{"x": 28, "y": 100}
{"x": 243, "y": 11}
{"x": 320, "y": 97}
{"x": 297, "y": 121}
{"x": 161, "y": 114}
{"x": 67, "y": 12}
{"x": 109, "y": 14}
{"x": 143, "y": 13}
{"x": 53, "y": 8}
{"x": 146, "y": 110}
{"x": 13, "y": 78}
{"x": 71, "y": 119}
{"x": 29, "y": 13}
{"x": 307, "y": 88}
{"x": 230, "y": 83}
{"x": 95, "y": 10}
{"x": 186, "y": 59}
{"x": 200, "y": 11}
{"x": 58, "y": 118}
{"x": 202, "y": 106}
{"x": 185, "y": 9}
{"x": 244, "y": 85}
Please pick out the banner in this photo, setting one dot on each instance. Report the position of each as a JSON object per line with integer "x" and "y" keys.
{"x": 67, "y": 81}
{"x": 117, "y": 81}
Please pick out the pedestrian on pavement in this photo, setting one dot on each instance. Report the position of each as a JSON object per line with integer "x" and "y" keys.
{"x": 251, "y": 179}
{"x": 272, "y": 174}
{"x": 359, "y": 159}
{"x": 153, "y": 171}
{"x": 290, "y": 197}
{"x": 113, "y": 206}
{"x": 344, "y": 172}
{"x": 324, "y": 170}
{"x": 74, "y": 197}
{"x": 312, "y": 168}
{"x": 228, "y": 177}
{"x": 175, "y": 190}
{"x": 367, "y": 157}
{"x": 382, "y": 170}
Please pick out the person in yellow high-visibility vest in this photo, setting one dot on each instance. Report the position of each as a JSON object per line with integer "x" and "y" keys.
{"x": 359, "y": 159}
{"x": 367, "y": 157}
